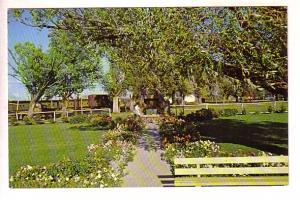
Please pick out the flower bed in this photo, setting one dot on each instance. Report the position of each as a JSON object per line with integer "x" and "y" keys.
{"x": 205, "y": 148}
{"x": 102, "y": 167}
{"x": 100, "y": 120}
{"x": 176, "y": 130}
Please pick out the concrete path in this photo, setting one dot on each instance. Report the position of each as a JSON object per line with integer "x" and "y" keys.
{"x": 147, "y": 168}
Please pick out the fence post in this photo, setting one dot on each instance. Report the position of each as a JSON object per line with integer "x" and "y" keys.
{"x": 206, "y": 106}
{"x": 91, "y": 111}
{"x": 54, "y": 116}
{"x": 17, "y": 105}
{"x": 67, "y": 114}
{"x": 17, "y": 116}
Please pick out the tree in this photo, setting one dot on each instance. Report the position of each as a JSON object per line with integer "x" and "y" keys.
{"x": 154, "y": 45}
{"x": 36, "y": 69}
{"x": 81, "y": 67}
{"x": 251, "y": 44}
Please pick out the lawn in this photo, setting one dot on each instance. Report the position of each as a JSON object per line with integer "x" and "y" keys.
{"x": 266, "y": 132}
{"x": 250, "y": 107}
{"x": 46, "y": 143}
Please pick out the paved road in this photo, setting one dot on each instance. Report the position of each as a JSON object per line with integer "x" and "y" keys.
{"x": 147, "y": 168}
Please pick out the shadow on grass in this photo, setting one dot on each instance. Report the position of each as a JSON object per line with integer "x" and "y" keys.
{"x": 266, "y": 136}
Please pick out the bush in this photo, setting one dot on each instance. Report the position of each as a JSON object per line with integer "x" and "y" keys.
{"x": 120, "y": 134}
{"x": 215, "y": 113}
{"x": 229, "y": 112}
{"x": 78, "y": 119}
{"x": 176, "y": 130}
{"x": 206, "y": 148}
{"x": 100, "y": 120}
{"x": 65, "y": 119}
{"x": 28, "y": 120}
{"x": 270, "y": 109}
{"x": 200, "y": 115}
{"x": 133, "y": 123}
{"x": 282, "y": 109}
{"x": 13, "y": 121}
{"x": 104, "y": 166}
{"x": 190, "y": 150}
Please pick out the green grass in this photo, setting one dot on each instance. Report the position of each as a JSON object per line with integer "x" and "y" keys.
{"x": 47, "y": 143}
{"x": 253, "y": 107}
{"x": 232, "y": 148}
{"x": 266, "y": 132}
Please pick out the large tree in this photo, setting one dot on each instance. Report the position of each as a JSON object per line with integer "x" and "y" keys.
{"x": 81, "y": 67}
{"x": 153, "y": 46}
{"x": 36, "y": 69}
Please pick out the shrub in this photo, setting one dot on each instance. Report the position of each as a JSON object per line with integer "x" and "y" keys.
{"x": 270, "y": 109}
{"x": 78, "y": 119}
{"x": 103, "y": 166}
{"x": 200, "y": 115}
{"x": 28, "y": 120}
{"x": 282, "y": 109}
{"x": 65, "y": 119}
{"x": 120, "y": 134}
{"x": 134, "y": 124}
{"x": 190, "y": 150}
{"x": 13, "y": 121}
{"x": 215, "y": 113}
{"x": 229, "y": 112}
{"x": 206, "y": 148}
{"x": 100, "y": 120}
{"x": 176, "y": 130}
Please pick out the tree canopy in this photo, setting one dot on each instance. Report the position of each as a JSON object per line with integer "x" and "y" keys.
{"x": 36, "y": 69}
{"x": 170, "y": 49}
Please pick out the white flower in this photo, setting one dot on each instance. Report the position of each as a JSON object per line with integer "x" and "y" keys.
{"x": 29, "y": 167}
{"x": 77, "y": 178}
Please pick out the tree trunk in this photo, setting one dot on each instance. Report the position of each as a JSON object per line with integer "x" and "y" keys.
{"x": 31, "y": 108}
{"x": 116, "y": 108}
{"x": 173, "y": 98}
{"x": 236, "y": 99}
{"x": 34, "y": 99}
{"x": 64, "y": 106}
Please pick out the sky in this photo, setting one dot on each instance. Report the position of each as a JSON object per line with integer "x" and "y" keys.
{"x": 17, "y": 32}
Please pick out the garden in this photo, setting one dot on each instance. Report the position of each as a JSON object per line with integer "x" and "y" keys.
{"x": 84, "y": 151}
{"x": 94, "y": 150}
{"x": 197, "y": 82}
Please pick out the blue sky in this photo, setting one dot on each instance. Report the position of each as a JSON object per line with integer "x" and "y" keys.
{"x": 18, "y": 32}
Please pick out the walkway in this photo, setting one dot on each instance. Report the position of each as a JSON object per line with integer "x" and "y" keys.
{"x": 147, "y": 168}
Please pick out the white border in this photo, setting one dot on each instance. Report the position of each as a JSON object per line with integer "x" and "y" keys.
{"x": 288, "y": 192}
